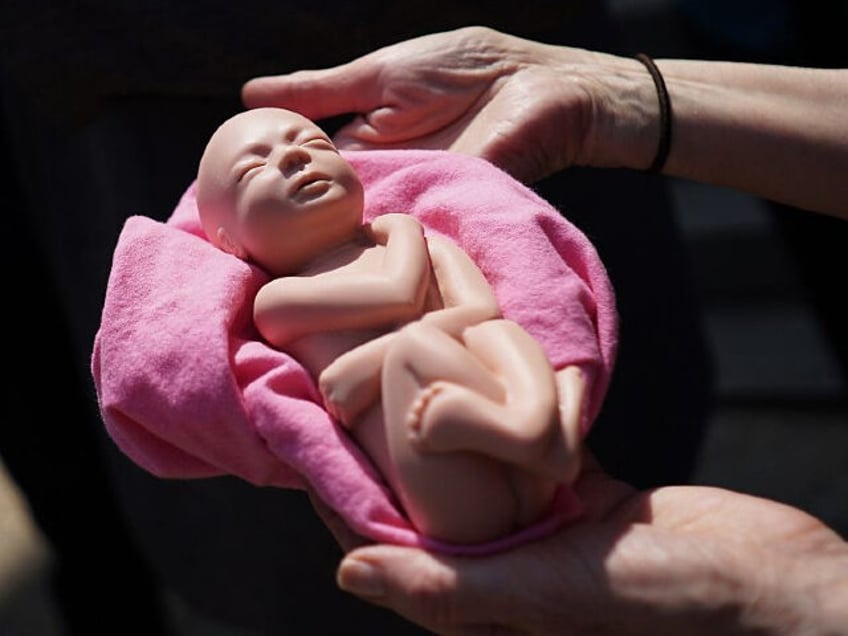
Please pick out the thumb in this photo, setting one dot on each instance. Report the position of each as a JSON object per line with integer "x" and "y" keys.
{"x": 442, "y": 594}
{"x": 317, "y": 94}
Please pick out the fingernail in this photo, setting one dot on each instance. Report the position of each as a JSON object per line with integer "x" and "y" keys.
{"x": 360, "y": 578}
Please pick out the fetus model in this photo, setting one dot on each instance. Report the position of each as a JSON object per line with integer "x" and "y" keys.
{"x": 457, "y": 407}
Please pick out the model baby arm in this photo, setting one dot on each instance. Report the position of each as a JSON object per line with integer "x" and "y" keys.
{"x": 457, "y": 297}
{"x": 351, "y": 382}
{"x": 406, "y": 262}
{"x": 378, "y": 280}
{"x": 465, "y": 297}
{"x": 289, "y": 308}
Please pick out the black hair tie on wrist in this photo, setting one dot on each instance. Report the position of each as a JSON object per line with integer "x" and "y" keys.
{"x": 664, "y": 145}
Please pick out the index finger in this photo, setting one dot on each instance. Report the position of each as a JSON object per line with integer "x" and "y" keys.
{"x": 318, "y": 94}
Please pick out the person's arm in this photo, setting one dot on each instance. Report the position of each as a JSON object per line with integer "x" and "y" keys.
{"x": 778, "y": 132}
{"x": 534, "y": 109}
{"x": 290, "y": 307}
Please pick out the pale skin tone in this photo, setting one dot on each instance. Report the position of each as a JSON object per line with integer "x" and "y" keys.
{"x": 682, "y": 560}
{"x": 459, "y": 409}
{"x": 535, "y": 109}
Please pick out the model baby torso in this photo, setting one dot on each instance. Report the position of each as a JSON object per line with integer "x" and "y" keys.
{"x": 355, "y": 358}
{"x": 363, "y": 258}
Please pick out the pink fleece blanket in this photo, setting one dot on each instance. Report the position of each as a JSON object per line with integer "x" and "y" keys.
{"x": 187, "y": 389}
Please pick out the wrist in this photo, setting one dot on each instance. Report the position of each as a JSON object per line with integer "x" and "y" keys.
{"x": 801, "y": 595}
{"x": 827, "y": 588}
{"x": 625, "y": 126}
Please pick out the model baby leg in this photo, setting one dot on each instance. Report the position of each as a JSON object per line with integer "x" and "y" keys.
{"x": 523, "y": 427}
{"x": 462, "y": 496}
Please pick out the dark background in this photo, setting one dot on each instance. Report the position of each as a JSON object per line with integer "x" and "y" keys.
{"x": 731, "y": 371}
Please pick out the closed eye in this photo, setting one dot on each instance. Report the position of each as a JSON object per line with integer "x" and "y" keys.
{"x": 320, "y": 142}
{"x": 245, "y": 169}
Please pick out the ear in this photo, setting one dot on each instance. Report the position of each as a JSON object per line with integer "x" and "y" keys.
{"x": 226, "y": 242}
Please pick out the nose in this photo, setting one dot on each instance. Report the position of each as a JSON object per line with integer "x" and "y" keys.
{"x": 292, "y": 158}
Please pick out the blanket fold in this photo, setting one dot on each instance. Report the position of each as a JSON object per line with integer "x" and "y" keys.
{"x": 187, "y": 388}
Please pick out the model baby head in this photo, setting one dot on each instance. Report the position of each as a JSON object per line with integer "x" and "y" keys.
{"x": 273, "y": 189}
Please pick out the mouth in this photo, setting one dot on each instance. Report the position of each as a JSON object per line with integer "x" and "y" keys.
{"x": 310, "y": 185}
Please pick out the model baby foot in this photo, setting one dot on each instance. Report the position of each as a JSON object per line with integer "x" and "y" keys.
{"x": 447, "y": 417}
{"x": 416, "y": 410}
{"x": 443, "y": 418}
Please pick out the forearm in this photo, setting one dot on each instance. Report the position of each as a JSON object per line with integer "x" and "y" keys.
{"x": 455, "y": 320}
{"x": 406, "y": 264}
{"x": 466, "y": 297}
{"x": 288, "y": 309}
{"x": 777, "y": 132}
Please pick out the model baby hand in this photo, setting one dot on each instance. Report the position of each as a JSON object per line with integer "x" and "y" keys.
{"x": 386, "y": 225}
{"x": 347, "y": 392}
{"x": 351, "y": 383}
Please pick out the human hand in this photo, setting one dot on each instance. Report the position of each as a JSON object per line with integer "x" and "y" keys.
{"x": 528, "y": 107}
{"x": 677, "y": 560}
